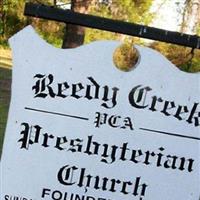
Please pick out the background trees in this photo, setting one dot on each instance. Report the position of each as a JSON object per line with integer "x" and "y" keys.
{"x": 191, "y": 16}
{"x": 137, "y": 11}
{"x": 12, "y": 18}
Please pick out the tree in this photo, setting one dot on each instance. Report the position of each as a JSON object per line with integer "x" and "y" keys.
{"x": 2, "y": 17}
{"x": 74, "y": 35}
{"x": 126, "y": 10}
{"x": 12, "y": 18}
{"x": 190, "y": 16}
{"x": 136, "y": 11}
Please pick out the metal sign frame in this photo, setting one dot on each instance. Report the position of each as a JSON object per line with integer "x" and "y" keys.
{"x": 71, "y": 17}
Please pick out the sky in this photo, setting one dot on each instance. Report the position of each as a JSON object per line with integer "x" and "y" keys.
{"x": 168, "y": 16}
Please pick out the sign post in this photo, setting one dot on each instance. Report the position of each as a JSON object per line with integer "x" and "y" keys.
{"x": 79, "y": 128}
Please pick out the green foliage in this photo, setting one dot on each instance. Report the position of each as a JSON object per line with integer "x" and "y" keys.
{"x": 198, "y": 29}
{"x": 180, "y": 56}
{"x": 50, "y": 31}
{"x": 134, "y": 11}
{"x": 5, "y": 77}
{"x": 13, "y": 20}
{"x": 193, "y": 65}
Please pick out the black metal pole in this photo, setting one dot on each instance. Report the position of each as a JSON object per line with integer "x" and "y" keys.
{"x": 68, "y": 16}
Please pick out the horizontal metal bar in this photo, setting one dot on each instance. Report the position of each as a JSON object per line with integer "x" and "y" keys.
{"x": 68, "y": 16}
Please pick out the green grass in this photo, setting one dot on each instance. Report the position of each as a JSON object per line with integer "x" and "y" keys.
{"x": 5, "y": 79}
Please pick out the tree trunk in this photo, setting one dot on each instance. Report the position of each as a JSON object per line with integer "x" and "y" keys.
{"x": 190, "y": 16}
{"x": 54, "y": 3}
{"x": 74, "y": 35}
{"x": 197, "y": 22}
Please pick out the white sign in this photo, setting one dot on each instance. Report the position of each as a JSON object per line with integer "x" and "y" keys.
{"x": 79, "y": 128}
